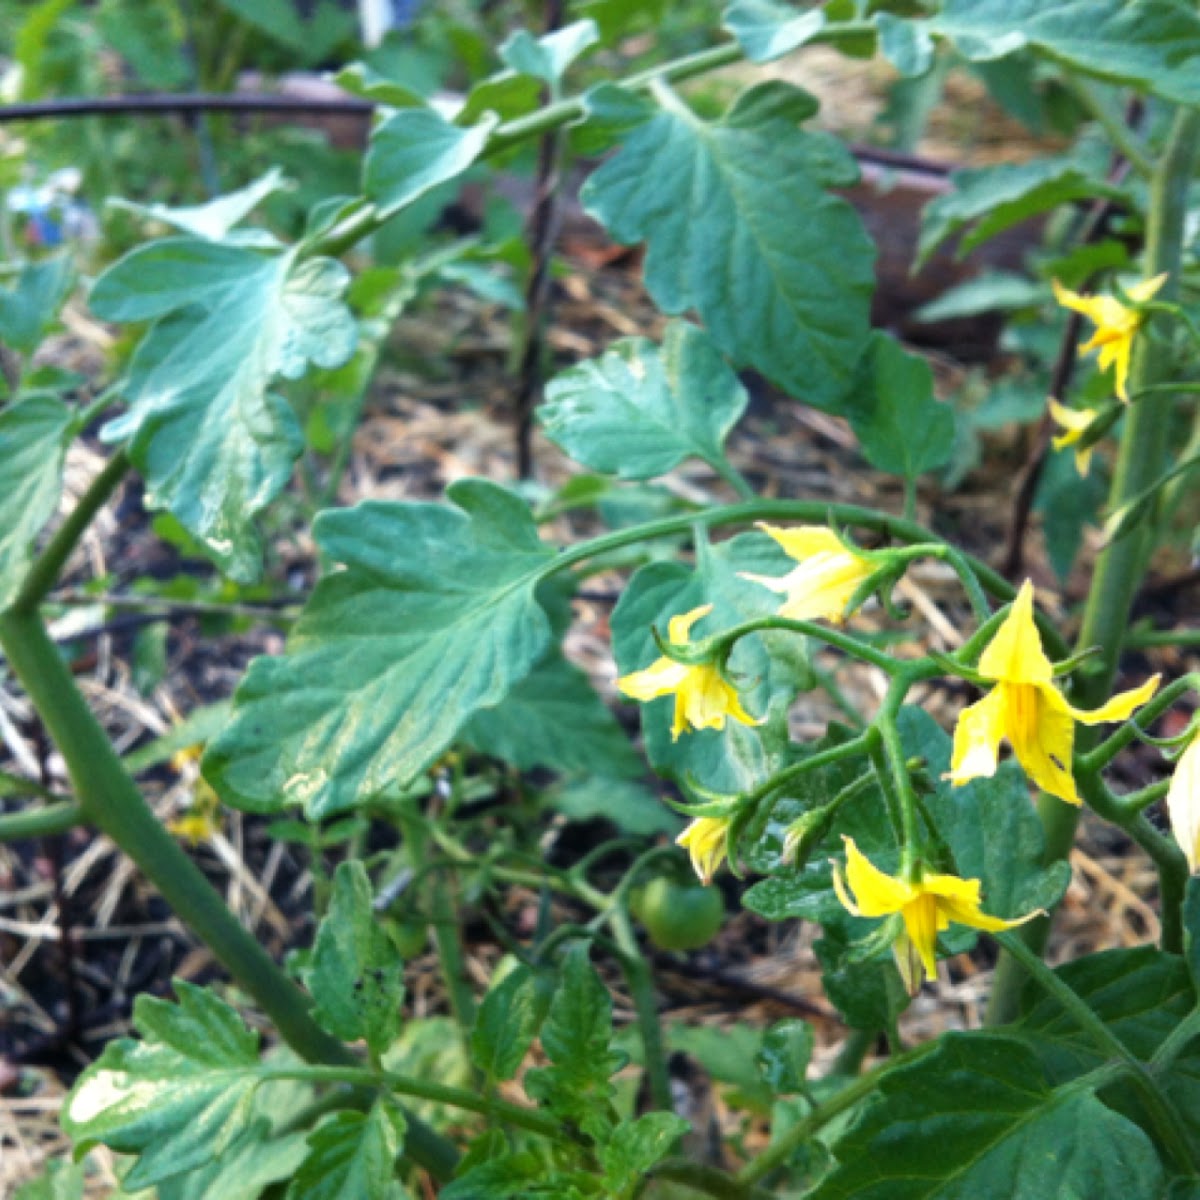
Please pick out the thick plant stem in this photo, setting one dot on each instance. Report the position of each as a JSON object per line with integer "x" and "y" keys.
{"x": 40, "y": 822}
{"x": 641, "y": 988}
{"x": 1122, "y": 565}
{"x": 110, "y": 799}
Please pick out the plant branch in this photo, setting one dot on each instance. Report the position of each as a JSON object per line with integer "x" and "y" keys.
{"x": 40, "y": 822}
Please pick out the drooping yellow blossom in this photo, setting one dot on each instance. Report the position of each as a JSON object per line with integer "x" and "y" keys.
{"x": 1026, "y": 708}
{"x": 202, "y": 821}
{"x": 705, "y": 839}
{"x": 826, "y": 579}
{"x": 1074, "y": 422}
{"x": 1116, "y": 324}
{"x": 927, "y": 906}
{"x": 1183, "y": 803}
{"x": 703, "y": 697}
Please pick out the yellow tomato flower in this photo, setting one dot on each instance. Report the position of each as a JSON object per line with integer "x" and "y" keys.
{"x": 1116, "y": 324}
{"x": 703, "y": 697}
{"x": 1074, "y": 422}
{"x": 706, "y": 840}
{"x": 927, "y": 907}
{"x": 202, "y": 821}
{"x": 1026, "y": 708}
{"x": 1183, "y": 803}
{"x": 826, "y": 579}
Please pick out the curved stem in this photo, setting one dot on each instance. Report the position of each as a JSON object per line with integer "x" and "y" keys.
{"x": 909, "y": 532}
{"x": 110, "y": 799}
{"x": 860, "y": 745}
{"x": 821, "y": 633}
{"x": 48, "y": 566}
{"x": 423, "y": 1089}
{"x": 1100, "y": 756}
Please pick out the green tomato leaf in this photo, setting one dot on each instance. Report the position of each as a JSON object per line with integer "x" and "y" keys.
{"x": 635, "y": 1147}
{"x": 432, "y": 617}
{"x": 548, "y": 57}
{"x": 907, "y": 45}
{"x": 554, "y": 719}
{"x": 34, "y": 435}
{"x": 992, "y": 831}
{"x": 1152, "y": 44}
{"x": 976, "y": 1117}
{"x": 214, "y": 220}
{"x": 29, "y": 307}
{"x": 1141, "y": 994}
{"x": 740, "y": 227}
{"x": 986, "y": 201}
{"x": 638, "y": 411}
{"x": 243, "y": 1172}
{"x": 361, "y": 79}
{"x": 416, "y": 149}
{"x": 352, "y": 1156}
{"x": 769, "y": 29}
{"x": 214, "y": 445}
{"x": 902, "y": 428}
{"x": 356, "y": 977}
{"x": 509, "y": 1019}
{"x": 786, "y": 1052}
{"x": 870, "y": 995}
{"x": 179, "y": 1097}
{"x": 576, "y": 1037}
{"x": 1068, "y": 503}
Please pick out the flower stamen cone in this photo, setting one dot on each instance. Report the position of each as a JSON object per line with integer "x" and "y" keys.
{"x": 927, "y": 907}
{"x": 706, "y": 840}
{"x": 1183, "y": 803}
{"x": 1117, "y": 324}
{"x": 703, "y": 696}
{"x": 827, "y": 578}
{"x": 1025, "y": 707}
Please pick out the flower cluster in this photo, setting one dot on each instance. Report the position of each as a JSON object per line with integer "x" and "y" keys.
{"x": 1022, "y": 706}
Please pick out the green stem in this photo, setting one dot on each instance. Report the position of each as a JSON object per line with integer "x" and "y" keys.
{"x": 1121, "y": 136}
{"x": 40, "y": 822}
{"x": 423, "y": 1089}
{"x": 1100, "y": 756}
{"x": 1121, "y": 566}
{"x": 821, "y": 633}
{"x": 645, "y": 1003}
{"x": 48, "y": 566}
{"x": 860, "y": 745}
{"x": 1166, "y": 1119}
{"x": 110, "y": 799}
{"x": 789, "y": 1142}
{"x": 991, "y": 582}
{"x": 1149, "y": 639}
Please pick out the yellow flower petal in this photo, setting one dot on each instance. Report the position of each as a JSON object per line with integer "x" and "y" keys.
{"x": 921, "y": 925}
{"x": 661, "y": 678}
{"x": 877, "y": 894}
{"x": 1121, "y": 706}
{"x": 706, "y": 840}
{"x": 1042, "y": 734}
{"x": 826, "y": 579}
{"x": 977, "y": 738}
{"x": 1183, "y": 803}
{"x": 1015, "y": 654}
{"x": 804, "y": 541}
{"x": 679, "y": 627}
{"x": 1147, "y": 289}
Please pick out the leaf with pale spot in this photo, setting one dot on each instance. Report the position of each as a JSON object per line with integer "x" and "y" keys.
{"x": 213, "y": 443}
{"x": 431, "y": 617}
